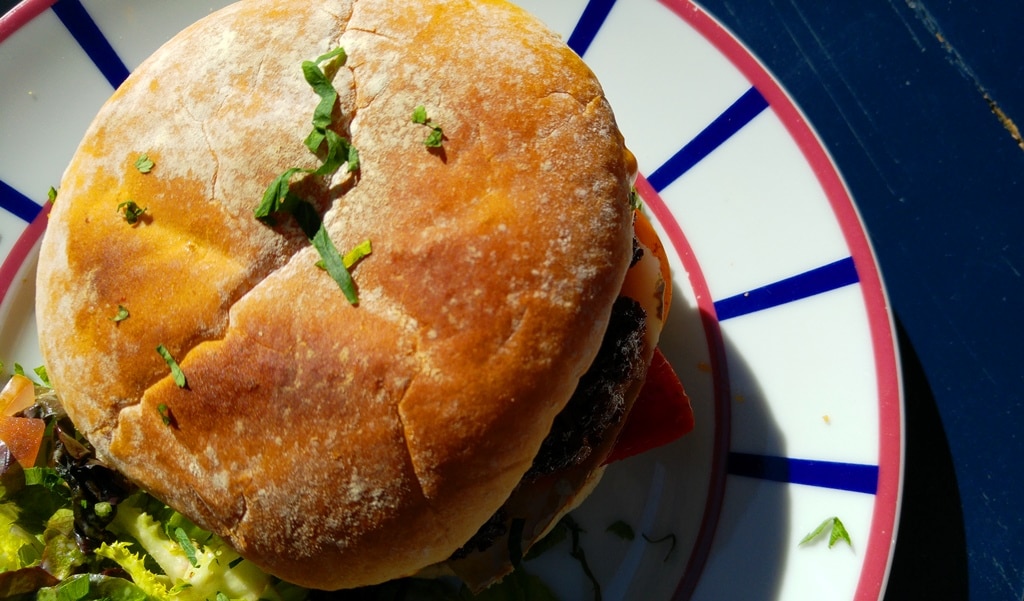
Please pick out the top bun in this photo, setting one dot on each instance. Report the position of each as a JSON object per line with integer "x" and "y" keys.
{"x": 338, "y": 445}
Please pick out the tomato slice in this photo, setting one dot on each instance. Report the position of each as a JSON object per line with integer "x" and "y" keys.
{"x": 645, "y": 233}
{"x": 23, "y": 437}
{"x": 17, "y": 394}
{"x": 661, "y": 414}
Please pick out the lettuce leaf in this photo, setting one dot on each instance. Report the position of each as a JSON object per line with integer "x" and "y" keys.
{"x": 152, "y": 585}
{"x": 194, "y": 565}
{"x": 88, "y": 587}
{"x": 72, "y": 529}
{"x": 18, "y": 548}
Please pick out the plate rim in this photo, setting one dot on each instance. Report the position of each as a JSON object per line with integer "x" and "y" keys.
{"x": 891, "y": 444}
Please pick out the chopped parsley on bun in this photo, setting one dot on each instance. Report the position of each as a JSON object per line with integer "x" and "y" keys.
{"x": 377, "y": 302}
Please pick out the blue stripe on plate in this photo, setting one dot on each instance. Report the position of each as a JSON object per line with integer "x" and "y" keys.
{"x": 88, "y": 35}
{"x": 590, "y": 23}
{"x": 854, "y": 477}
{"x": 742, "y": 112}
{"x": 18, "y": 204}
{"x": 816, "y": 281}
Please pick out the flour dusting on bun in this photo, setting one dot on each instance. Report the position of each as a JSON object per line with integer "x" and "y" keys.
{"x": 338, "y": 444}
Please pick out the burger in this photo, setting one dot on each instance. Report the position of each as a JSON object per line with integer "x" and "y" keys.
{"x": 361, "y": 288}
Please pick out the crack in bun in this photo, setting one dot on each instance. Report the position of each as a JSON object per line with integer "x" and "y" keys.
{"x": 337, "y": 445}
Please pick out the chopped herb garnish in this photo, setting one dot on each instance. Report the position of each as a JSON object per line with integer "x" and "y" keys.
{"x": 39, "y": 371}
{"x": 144, "y": 164}
{"x": 176, "y": 373}
{"x": 671, "y": 538}
{"x": 339, "y": 150}
{"x": 635, "y": 202}
{"x": 622, "y": 530}
{"x": 435, "y": 139}
{"x": 330, "y": 259}
{"x": 186, "y": 545}
{"x": 51, "y": 194}
{"x": 334, "y": 264}
{"x": 165, "y": 413}
{"x": 577, "y": 553}
{"x": 419, "y": 115}
{"x": 43, "y": 376}
{"x": 353, "y": 256}
{"x": 122, "y": 314}
{"x": 837, "y": 532}
{"x": 278, "y": 197}
{"x": 131, "y": 211}
{"x": 234, "y": 562}
{"x": 323, "y": 115}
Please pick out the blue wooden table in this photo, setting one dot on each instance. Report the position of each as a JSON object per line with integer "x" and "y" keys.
{"x": 919, "y": 102}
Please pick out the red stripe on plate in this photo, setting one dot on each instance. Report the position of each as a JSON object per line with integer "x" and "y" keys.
{"x": 21, "y": 14}
{"x": 12, "y": 21}
{"x": 720, "y": 378}
{"x": 22, "y": 248}
{"x": 879, "y": 549}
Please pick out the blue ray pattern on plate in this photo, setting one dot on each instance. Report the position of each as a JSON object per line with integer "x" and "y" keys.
{"x": 17, "y": 203}
{"x": 816, "y": 281}
{"x": 731, "y": 121}
{"x": 88, "y": 35}
{"x": 838, "y": 274}
{"x": 860, "y": 478}
{"x": 854, "y": 477}
{"x": 593, "y": 17}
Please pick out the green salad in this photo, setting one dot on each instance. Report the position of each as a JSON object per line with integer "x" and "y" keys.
{"x": 73, "y": 529}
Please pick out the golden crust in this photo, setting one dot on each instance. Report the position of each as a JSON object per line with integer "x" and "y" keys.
{"x": 333, "y": 445}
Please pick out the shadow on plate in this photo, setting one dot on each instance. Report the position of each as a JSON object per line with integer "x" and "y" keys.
{"x": 753, "y": 532}
{"x": 930, "y": 560}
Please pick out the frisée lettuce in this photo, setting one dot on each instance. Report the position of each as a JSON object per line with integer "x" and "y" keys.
{"x": 73, "y": 529}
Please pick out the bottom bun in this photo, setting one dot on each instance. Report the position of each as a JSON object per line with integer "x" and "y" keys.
{"x": 544, "y": 496}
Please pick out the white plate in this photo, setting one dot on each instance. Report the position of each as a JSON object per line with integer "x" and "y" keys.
{"x": 780, "y": 328}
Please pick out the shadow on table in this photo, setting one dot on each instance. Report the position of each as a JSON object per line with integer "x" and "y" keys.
{"x": 6, "y": 5}
{"x": 930, "y": 561}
